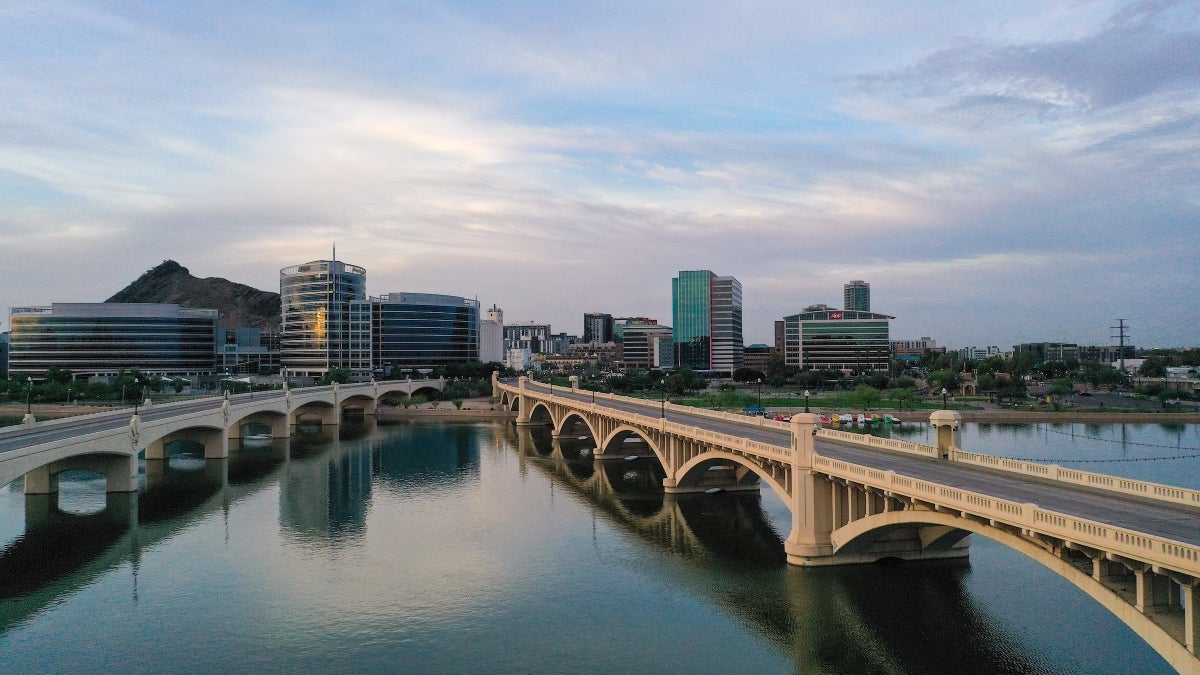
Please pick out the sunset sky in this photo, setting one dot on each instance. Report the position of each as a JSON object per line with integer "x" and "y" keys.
{"x": 998, "y": 172}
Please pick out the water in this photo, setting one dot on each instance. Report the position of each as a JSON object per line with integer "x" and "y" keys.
{"x": 465, "y": 548}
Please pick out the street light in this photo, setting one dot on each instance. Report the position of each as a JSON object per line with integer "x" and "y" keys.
{"x": 28, "y": 393}
{"x": 943, "y": 398}
{"x": 805, "y": 400}
{"x": 760, "y": 393}
{"x": 68, "y": 396}
{"x": 663, "y": 405}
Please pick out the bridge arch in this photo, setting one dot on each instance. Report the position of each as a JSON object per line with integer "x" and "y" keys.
{"x": 690, "y": 471}
{"x": 623, "y": 431}
{"x": 214, "y": 439}
{"x": 943, "y": 527}
{"x": 570, "y": 419}
{"x": 540, "y": 413}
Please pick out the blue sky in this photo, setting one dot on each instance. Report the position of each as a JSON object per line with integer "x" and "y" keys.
{"x": 998, "y": 172}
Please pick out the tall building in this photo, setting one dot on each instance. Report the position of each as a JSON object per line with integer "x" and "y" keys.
{"x": 597, "y": 327}
{"x": 491, "y": 336}
{"x": 857, "y": 295}
{"x": 101, "y": 339}
{"x": 707, "y": 312}
{"x": 326, "y": 318}
{"x": 845, "y": 340}
{"x": 423, "y": 331}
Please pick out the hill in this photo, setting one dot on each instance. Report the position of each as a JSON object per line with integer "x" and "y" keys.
{"x": 238, "y": 305}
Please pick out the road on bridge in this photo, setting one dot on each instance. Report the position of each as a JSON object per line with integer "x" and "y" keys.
{"x": 1178, "y": 523}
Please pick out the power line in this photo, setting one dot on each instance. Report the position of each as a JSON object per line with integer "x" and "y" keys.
{"x": 1122, "y": 442}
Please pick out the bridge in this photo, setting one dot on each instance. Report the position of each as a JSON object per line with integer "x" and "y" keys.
{"x": 110, "y": 443}
{"x": 1133, "y": 546}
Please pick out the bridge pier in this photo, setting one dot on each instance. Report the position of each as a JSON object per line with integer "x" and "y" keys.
{"x": 812, "y": 507}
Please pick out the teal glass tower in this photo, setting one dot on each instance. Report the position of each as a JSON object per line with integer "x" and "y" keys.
{"x": 706, "y": 311}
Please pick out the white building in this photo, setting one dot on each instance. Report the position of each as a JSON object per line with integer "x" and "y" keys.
{"x": 491, "y": 336}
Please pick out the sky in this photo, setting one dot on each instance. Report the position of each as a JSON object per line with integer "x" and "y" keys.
{"x": 998, "y": 172}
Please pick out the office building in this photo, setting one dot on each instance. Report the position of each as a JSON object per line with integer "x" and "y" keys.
{"x": 421, "y": 331}
{"x": 645, "y": 344}
{"x": 707, "y": 314}
{"x": 758, "y": 356}
{"x": 102, "y": 339}
{"x": 326, "y": 318}
{"x": 248, "y": 351}
{"x": 857, "y": 296}
{"x": 597, "y": 327}
{"x": 845, "y": 340}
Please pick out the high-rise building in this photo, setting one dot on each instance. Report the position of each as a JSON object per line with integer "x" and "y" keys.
{"x": 857, "y": 295}
{"x": 423, "y": 330}
{"x": 491, "y": 336}
{"x": 597, "y": 327}
{"x": 845, "y": 340}
{"x": 101, "y": 339}
{"x": 707, "y": 312}
{"x": 326, "y": 318}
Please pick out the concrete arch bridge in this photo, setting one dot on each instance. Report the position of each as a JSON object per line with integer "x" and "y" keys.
{"x": 110, "y": 443}
{"x": 1133, "y": 546}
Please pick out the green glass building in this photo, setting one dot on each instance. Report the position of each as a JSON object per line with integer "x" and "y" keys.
{"x": 707, "y": 314}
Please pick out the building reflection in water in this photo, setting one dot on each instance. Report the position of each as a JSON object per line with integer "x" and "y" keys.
{"x": 325, "y": 497}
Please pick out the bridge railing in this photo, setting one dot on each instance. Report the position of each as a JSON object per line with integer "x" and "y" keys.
{"x": 726, "y": 441}
{"x": 1135, "y": 545}
{"x": 1099, "y": 481}
{"x": 892, "y": 444}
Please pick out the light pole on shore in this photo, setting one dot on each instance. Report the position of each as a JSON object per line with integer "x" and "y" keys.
{"x": 806, "y": 400}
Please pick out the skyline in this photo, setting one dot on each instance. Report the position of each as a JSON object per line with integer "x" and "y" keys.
{"x": 998, "y": 175}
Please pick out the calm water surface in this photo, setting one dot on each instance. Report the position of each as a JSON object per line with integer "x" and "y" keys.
{"x": 475, "y": 547}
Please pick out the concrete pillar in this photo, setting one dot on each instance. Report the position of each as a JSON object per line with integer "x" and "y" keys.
{"x": 574, "y": 383}
{"x": 948, "y": 424}
{"x": 523, "y": 406}
{"x": 837, "y": 513}
{"x": 28, "y": 419}
{"x": 121, "y": 473}
{"x": 41, "y": 481}
{"x": 157, "y": 449}
{"x": 495, "y": 386}
{"x": 1191, "y": 617}
{"x": 216, "y": 446}
{"x": 810, "y": 498}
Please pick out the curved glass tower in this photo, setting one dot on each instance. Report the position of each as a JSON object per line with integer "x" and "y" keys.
{"x": 326, "y": 318}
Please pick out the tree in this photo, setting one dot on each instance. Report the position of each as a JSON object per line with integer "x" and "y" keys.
{"x": 904, "y": 396}
{"x": 335, "y": 374}
{"x": 747, "y": 375}
{"x": 867, "y": 395}
{"x": 1153, "y": 367}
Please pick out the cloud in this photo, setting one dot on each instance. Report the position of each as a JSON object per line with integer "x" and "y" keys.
{"x": 1139, "y": 53}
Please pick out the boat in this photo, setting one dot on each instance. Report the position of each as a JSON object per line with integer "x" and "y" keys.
{"x": 256, "y": 440}
{"x": 862, "y": 419}
{"x": 712, "y": 490}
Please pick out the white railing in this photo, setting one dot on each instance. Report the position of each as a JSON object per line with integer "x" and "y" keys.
{"x": 1135, "y": 545}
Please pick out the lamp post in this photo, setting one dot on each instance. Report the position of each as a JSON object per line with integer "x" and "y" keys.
{"x": 663, "y": 405}
{"x": 805, "y": 400}
{"x": 943, "y": 398}
{"x": 760, "y": 393}
{"x": 68, "y": 396}
{"x": 28, "y": 393}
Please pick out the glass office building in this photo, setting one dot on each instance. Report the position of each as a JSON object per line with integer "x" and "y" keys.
{"x": 101, "y": 339}
{"x": 707, "y": 314}
{"x": 837, "y": 339}
{"x": 326, "y": 318}
{"x": 424, "y": 330}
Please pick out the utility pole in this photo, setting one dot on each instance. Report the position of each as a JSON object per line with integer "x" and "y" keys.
{"x": 1121, "y": 335}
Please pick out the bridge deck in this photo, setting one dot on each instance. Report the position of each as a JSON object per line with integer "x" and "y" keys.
{"x": 1178, "y": 523}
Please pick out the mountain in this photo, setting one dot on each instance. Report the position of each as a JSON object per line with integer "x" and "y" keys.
{"x": 238, "y": 305}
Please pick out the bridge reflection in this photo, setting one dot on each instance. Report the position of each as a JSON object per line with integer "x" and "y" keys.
{"x": 868, "y": 618}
